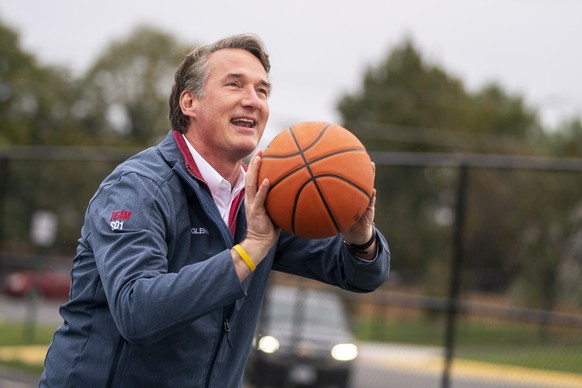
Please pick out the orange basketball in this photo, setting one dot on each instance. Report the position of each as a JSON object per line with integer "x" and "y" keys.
{"x": 321, "y": 179}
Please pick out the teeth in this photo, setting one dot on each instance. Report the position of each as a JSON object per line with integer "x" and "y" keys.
{"x": 243, "y": 121}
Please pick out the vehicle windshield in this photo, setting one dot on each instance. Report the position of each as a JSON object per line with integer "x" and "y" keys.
{"x": 311, "y": 309}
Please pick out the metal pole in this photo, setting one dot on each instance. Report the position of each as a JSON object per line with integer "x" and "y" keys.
{"x": 298, "y": 321}
{"x": 456, "y": 272}
{"x": 4, "y": 172}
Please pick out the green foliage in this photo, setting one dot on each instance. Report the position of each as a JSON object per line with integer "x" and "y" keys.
{"x": 34, "y": 99}
{"x": 522, "y": 227}
{"x": 121, "y": 100}
{"x": 61, "y": 187}
{"x": 407, "y": 104}
{"x": 567, "y": 139}
{"x": 410, "y": 105}
{"x": 45, "y": 106}
{"x": 125, "y": 92}
{"x": 404, "y": 104}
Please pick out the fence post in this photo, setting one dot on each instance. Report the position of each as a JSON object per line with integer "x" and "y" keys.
{"x": 4, "y": 172}
{"x": 455, "y": 277}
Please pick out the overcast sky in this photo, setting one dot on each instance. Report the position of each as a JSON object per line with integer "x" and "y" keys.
{"x": 320, "y": 48}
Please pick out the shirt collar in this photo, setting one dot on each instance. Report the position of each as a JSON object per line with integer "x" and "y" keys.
{"x": 212, "y": 178}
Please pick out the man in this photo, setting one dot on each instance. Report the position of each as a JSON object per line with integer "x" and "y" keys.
{"x": 172, "y": 264}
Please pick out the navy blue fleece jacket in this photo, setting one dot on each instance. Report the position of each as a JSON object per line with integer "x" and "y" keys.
{"x": 155, "y": 300}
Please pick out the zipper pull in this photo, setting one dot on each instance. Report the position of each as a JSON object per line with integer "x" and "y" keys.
{"x": 227, "y": 330}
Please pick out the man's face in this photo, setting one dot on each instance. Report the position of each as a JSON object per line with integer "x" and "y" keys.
{"x": 231, "y": 116}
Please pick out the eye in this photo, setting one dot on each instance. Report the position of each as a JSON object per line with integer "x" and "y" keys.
{"x": 263, "y": 91}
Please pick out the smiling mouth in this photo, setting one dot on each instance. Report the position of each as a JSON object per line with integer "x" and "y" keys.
{"x": 247, "y": 123}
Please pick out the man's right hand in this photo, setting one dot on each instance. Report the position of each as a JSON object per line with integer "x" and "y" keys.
{"x": 261, "y": 233}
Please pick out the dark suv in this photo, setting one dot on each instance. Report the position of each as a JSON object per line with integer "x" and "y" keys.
{"x": 302, "y": 339}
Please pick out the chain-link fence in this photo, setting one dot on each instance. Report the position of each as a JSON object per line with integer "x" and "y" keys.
{"x": 486, "y": 281}
{"x": 489, "y": 270}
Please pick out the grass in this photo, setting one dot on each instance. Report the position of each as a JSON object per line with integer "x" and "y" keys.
{"x": 32, "y": 368}
{"x": 524, "y": 345}
{"x": 557, "y": 349}
{"x": 12, "y": 334}
{"x": 16, "y": 334}
{"x": 547, "y": 357}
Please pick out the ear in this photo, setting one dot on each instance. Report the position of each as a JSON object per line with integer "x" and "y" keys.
{"x": 188, "y": 104}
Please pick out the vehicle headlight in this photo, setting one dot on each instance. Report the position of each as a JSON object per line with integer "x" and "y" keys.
{"x": 344, "y": 352}
{"x": 268, "y": 344}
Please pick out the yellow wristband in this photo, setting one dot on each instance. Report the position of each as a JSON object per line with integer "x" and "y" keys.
{"x": 245, "y": 256}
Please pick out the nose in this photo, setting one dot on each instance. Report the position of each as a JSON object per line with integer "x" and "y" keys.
{"x": 251, "y": 99}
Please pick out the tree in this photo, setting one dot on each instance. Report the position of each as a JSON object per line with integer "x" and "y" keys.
{"x": 407, "y": 104}
{"x": 125, "y": 92}
{"x": 34, "y": 99}
{"x": 566, "y": 140}
{"x": 44, "y": 105}
{"x": 410, "y": 105}
{"x": 35, "y": 110}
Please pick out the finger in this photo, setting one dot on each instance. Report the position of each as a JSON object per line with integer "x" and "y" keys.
{"x": 261, "y": 194}
{"x": 253, "y": 174}
{"x": 373, "y": 200}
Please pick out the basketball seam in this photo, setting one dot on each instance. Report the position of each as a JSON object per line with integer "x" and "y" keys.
{"x": 306, "y": 163}
{"x": 315, "y": 177}
{"x": 314, "y": 180}
{"x": 352, "y": 149}
{"x": 290, "y": 129}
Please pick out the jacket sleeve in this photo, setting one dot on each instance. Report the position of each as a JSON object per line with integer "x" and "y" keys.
{"x": 329, "y": 261}
{"x": 129, "y": 221}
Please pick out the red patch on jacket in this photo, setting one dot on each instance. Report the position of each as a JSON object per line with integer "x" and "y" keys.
{"x": 120, "y": 215}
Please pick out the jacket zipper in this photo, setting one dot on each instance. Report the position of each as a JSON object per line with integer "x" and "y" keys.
{"x": 115, "y": 363}
{"x": 223, "y": 332}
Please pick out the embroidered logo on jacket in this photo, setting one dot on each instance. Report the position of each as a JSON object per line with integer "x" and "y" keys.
{"x": 118, "y": 217}
{"x": 199, "y": 230}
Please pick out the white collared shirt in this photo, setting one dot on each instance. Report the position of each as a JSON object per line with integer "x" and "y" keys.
{"x": 222, "y": 191}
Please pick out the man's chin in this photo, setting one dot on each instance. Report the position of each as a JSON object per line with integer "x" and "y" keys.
{"x": 247, "y": 152}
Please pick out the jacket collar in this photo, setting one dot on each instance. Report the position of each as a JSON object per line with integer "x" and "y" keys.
{"x": 174, "y": 149}
{"x": 188, "y": 159}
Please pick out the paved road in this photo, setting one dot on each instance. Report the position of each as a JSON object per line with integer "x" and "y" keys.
{"x": 12, "y": 379}
{"x": 24, "y": 310}
{"x": 403, "y": 366}
{"x": 392, "y": 365}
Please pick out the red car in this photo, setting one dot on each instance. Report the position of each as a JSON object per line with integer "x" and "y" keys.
{"x": 52, "y": 284}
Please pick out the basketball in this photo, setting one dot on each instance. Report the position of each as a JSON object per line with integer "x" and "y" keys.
{"x": 321, "y": 179}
